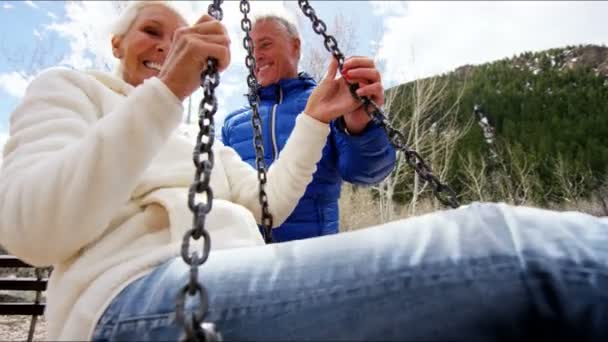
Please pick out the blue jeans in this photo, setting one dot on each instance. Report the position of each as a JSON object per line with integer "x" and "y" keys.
{"x": 482, "y": 272}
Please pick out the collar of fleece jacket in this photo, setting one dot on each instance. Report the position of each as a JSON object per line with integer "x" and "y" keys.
{"x": 111, "y": 81}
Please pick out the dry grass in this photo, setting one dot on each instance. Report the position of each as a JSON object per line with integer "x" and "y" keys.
{"x": 591, "y": 207}
{"x": 358, "y": 209}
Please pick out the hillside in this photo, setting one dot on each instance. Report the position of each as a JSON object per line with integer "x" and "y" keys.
{"x": 546, "y": 114}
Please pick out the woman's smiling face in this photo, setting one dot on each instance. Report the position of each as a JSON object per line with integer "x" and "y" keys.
{"x": 143, "y": 48}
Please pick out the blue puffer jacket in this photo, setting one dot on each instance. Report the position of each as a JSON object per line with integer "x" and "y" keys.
{"x": 363, "y": 159}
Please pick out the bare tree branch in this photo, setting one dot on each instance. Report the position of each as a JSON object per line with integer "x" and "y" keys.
{"x": 429, "y": 129}
{"x": 315, "y": 57}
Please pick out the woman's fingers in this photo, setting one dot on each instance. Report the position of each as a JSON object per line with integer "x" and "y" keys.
{"x": 375, "y": 91}
{"x": 216, "y": 46}
{"x": 206, "y": 30}
{"x": 204, "y": 18}
{"x": 332, "y": 70}
{"x": 357, "y": 62}
{"x": 361, "y": 71}
{"x": 200, "y": 47}
{"x": 363, "y": 75}
{"x": 188, "y": 55}
{"x": 332, "y": 97}
{"x": 220, "y": 52}
{"x": 209, "y": 27}
{"x": 217, "y": 39}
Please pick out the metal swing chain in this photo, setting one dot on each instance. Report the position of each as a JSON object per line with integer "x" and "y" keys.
{"x": 194, "y": 328}
{"x": 203, "y": 159}
{"x": 256, "y": 121}
{"x": 442, "y": 191}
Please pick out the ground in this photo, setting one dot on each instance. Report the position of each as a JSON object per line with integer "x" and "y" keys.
{"x": 16, "y": 328}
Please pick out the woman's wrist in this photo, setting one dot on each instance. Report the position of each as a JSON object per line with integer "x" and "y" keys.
{"x": 315, "y": 114}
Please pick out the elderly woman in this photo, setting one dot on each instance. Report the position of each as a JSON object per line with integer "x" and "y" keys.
{"x": 95, "y": 182}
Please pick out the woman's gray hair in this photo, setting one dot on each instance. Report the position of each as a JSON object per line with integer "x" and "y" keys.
{"x": 128, "y": 16}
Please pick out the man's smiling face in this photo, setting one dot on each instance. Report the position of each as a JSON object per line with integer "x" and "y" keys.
{"x": 276, "y": 52}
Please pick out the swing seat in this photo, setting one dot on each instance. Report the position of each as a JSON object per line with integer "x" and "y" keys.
{"x": 15, "y": 305}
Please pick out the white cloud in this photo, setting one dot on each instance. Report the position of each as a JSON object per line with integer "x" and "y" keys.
{"x": 3, "y": 140}
{"x": 31, "y": 4}
{"x": 86, "y": 28}
{"x": 7, "y": 6}
{"x": 382, "y": 8}
{"x": 51, "y": 15}
{"x": 13, "y": 83}
{"x": 433, "y": 37}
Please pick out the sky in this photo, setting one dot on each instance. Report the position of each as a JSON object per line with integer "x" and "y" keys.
{"x": 407, "y": 39}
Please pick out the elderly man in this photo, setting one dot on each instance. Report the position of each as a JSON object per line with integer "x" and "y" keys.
{"x": 357, "y": 150}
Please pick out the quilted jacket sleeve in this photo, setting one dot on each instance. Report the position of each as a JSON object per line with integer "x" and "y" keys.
{"x": 366, "y": 158}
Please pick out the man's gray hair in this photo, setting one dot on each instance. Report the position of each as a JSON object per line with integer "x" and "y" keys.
{"x": 283, "y": 19}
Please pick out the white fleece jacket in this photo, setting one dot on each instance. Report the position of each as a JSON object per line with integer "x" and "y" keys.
{"x": 95, "y": 182}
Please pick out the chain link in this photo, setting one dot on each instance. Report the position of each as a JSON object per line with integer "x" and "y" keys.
{"x": 489, "y": 134}
{"x": 442, "y": 192}
{"x": 194, "y": 327}
{"x": 256, "y": 121}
